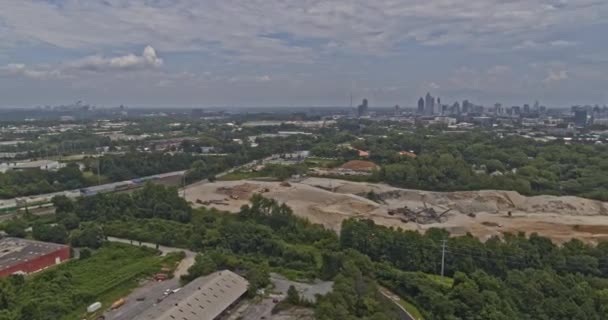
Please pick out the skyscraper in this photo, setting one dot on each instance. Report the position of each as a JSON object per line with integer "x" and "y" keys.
{"x": 580, "y": 117}
{"x": 439, "y": 107}
{"x": 362, "y": 109}
{"x": 420, "y": 105}
{"x": 498, "y": 108}
{"x": 455, "y": 108}
{"x": 429, "y": 104}
{"x": 466, "y": 105}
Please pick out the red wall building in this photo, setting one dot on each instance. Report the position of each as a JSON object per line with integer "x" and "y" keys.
{"x": 26, "y": 256}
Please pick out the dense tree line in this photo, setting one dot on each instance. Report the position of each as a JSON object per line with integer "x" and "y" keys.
{"x": 473, "y": 161}
{"x": 16, "y": 183}
{"x": 134, "y": 165}
{"x": 514, "y": 278}
{"x": 412, "y": 251}
{"x": 79, "y": 222}
{"x": 450, "y": 161}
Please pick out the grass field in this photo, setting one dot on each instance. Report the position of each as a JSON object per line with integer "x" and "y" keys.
{"x": 110, "y": 273}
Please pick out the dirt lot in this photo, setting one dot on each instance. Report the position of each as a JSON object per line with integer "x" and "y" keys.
{"x": 482, "y": 213}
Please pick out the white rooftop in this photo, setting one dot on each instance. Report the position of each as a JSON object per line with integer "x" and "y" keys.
{"x": 202, "y": 299}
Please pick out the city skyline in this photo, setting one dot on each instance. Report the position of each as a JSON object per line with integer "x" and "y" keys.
{"x": 186, "y": 53}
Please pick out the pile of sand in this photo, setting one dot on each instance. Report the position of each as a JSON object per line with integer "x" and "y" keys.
{"x": 239, "y": 191}
{"x": 492, "y": 201}
{"x": 482, "y": 213}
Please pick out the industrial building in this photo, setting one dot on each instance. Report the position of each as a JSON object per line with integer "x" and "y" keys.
{"x": 205, "y": 298}
{"x": 20, "y": 256}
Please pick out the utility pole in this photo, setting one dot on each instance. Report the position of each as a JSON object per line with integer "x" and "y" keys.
{"x": 184, "y": 184}
{"x": 443, "y": 245}
{"x": 99, "y": 169}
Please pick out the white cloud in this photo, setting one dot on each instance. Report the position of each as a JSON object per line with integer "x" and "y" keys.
{"x": 358, "y": 26}
{"x": 268, "y": 42}
{"x": 19, "y": 69}
{"x": 248, "y": 78}
{"x": 532, "y": 44}
{"x": 499, "y": 70}
{"x": 562, "y": 43}
{"x": 129, "y": 62}
{"x": 148, "y": 59}
{"x": 556, "y": 76}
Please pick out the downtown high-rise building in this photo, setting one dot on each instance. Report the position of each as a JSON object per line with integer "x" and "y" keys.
{"x": 363, "y": 109}
{"x": 429, "y": 105}
{"x": 421, "y": 105}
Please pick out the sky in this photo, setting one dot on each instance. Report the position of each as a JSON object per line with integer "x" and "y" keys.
{"x": 221, "y": 53}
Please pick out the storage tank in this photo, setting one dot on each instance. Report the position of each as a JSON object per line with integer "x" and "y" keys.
{"x": 94, "y": 307}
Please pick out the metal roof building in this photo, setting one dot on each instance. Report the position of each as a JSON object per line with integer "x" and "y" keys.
{"x": 202, "y": 299}
{"x": 27, "y": 256}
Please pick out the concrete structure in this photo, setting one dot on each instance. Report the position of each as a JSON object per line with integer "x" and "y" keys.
{"x": 28, "y": 256}
{"x": 205, "y": 298}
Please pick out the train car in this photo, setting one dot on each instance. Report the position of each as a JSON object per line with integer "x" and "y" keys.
{"x": 125, "y": 186}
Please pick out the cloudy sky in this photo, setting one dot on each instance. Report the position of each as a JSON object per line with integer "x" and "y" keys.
{"x": 186, "y": 53}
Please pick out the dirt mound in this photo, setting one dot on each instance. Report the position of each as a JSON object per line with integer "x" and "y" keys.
{"x": 359, "y": 165}
{"x": 481, "y": 213}
{"x": 241, "y": 191}
{"x": 592, "y": 229}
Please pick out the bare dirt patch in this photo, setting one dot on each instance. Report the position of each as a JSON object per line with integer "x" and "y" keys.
{"x": 481, "y": 213}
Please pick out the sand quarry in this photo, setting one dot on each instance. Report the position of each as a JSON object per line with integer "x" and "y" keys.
{"x": 481, "y": 213}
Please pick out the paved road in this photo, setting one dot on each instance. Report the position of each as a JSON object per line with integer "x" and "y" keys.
{"x": 181, "y": 269}
{"x": 307, "y": 291}
{"x": 263, "y": 309}
{"x": 151, "y": 292}
{"x": 392, "y": 297}
{"x": 259, "y": 311}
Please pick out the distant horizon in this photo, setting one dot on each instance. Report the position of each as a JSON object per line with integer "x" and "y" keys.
{"x": 371, "y": 107}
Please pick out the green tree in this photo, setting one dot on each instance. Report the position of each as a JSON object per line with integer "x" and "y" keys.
{"x": 50, "y": 233}
{"x": 293, "y": 297}
{"x": 90, "y": 236}
{"x": 16, "y": 228}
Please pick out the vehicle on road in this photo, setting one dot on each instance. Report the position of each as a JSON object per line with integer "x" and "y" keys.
{"x": 118, "y": 303}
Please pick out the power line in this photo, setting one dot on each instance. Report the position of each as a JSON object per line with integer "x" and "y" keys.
{"x": 443, "y": 245}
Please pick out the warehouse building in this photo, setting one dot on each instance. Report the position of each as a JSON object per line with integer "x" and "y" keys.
{"x": 20, "y": 256}
{"x": 205, "y": 298}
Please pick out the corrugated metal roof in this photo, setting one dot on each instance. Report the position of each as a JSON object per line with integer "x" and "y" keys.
{"x": 14, "y": 251}
{"x": 202, "y": 299}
